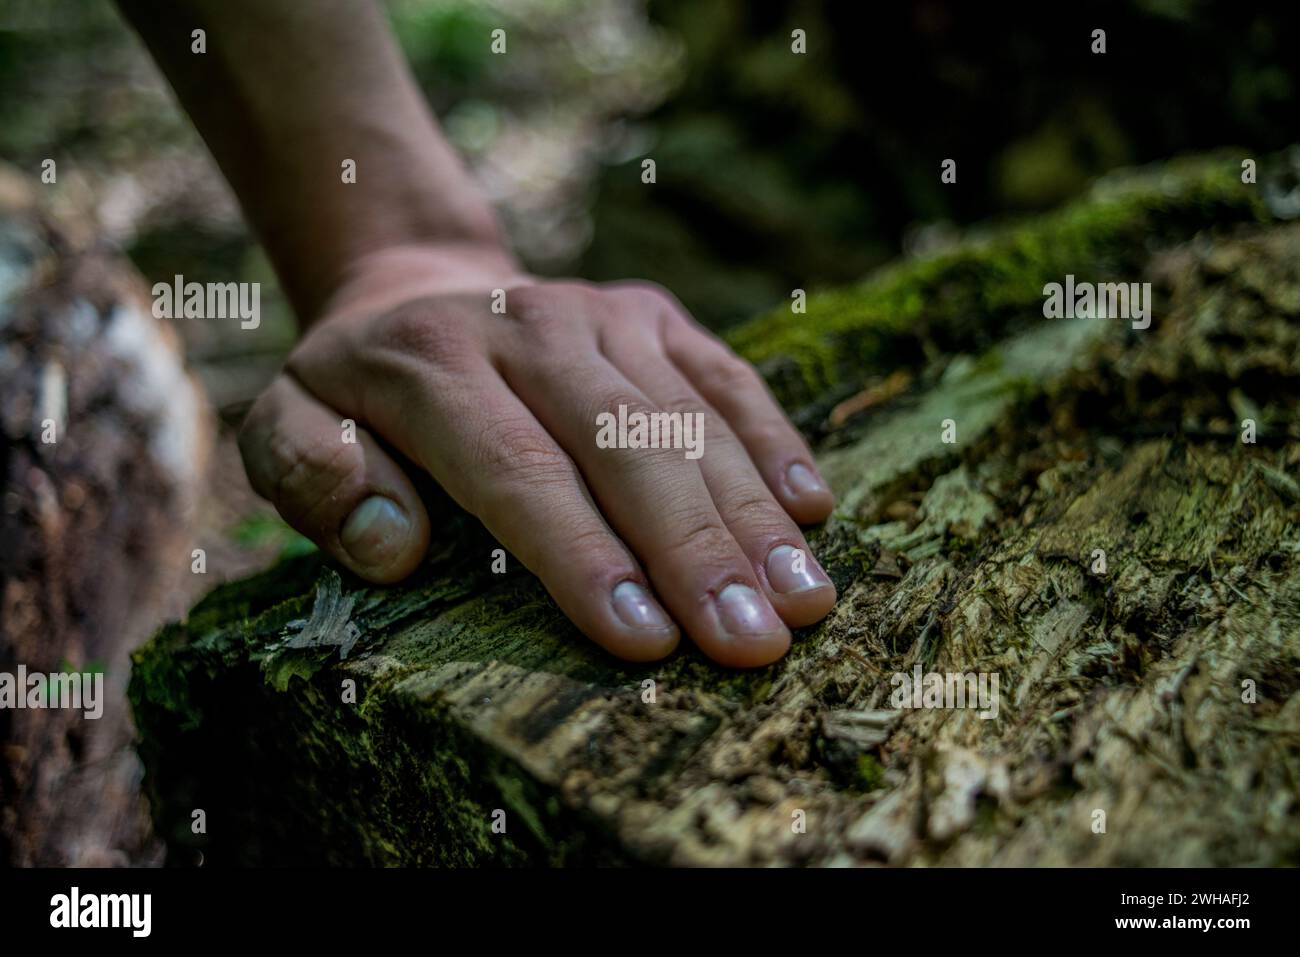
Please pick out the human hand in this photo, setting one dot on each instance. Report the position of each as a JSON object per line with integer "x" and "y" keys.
{"x": 502, "y": 410}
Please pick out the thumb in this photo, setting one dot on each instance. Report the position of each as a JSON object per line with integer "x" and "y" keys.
{"x": 333, "y": 482}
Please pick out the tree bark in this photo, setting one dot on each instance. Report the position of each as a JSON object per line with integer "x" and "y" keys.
{"x": 1097, "y": 535}
{"x": 105, "y": 439}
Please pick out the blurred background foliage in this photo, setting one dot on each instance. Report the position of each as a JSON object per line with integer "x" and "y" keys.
{"x": 774, "y": 170}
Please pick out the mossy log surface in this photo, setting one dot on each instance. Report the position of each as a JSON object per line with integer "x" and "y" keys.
{"x": 1163, "y": 690}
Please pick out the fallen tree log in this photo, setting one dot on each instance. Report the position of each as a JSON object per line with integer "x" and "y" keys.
{"x": 1103, "y": 520}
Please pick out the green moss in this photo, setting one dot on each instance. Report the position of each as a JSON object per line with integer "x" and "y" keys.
{"x": 870, "y": 773}
{"x": 215, "y": 633}
{"x": 967, "y": 296}
{"x": 263, "y": 529}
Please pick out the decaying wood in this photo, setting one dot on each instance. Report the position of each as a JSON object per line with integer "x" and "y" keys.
{"x": 103, "y": 447}
{"x": 1149, "y": 708}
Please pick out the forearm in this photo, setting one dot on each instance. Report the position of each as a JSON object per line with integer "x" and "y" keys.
{"x": 284, "y": 94}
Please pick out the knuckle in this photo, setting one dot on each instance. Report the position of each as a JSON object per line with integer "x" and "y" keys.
{"x": 257, "y": 423}
{"x": 753, "y": 509}
{"x": 414, "y": 330}
{"x": 651, "y": 297}
{"x": 312, "y": 476}
{"x": 610, "y": 403}
{"x": 530, "y": 305}
{"x": 589, "y": 546}
{"x": 551, "y": 307}
{"x": 684, "y": 401}
{"x": 730, "y": 372}
{"x": 770, "y": 433}
{"x": 614, "y": 407}
{"x": 702, "y": 538}
{"x": 514, "y": 452}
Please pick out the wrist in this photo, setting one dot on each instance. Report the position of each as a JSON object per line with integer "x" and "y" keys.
{"x": 386, "y": 277}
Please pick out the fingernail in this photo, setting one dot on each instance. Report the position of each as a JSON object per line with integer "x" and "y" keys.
{"x": 791, "y": 569}
{"x": 803, "y": 480}
{"x": 637, "y": 609}
{"x": 375, "y": 532}
{"x": 744, "y": 612}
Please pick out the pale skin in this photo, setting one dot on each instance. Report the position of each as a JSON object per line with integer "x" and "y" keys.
{"x": 393, "y": 277}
